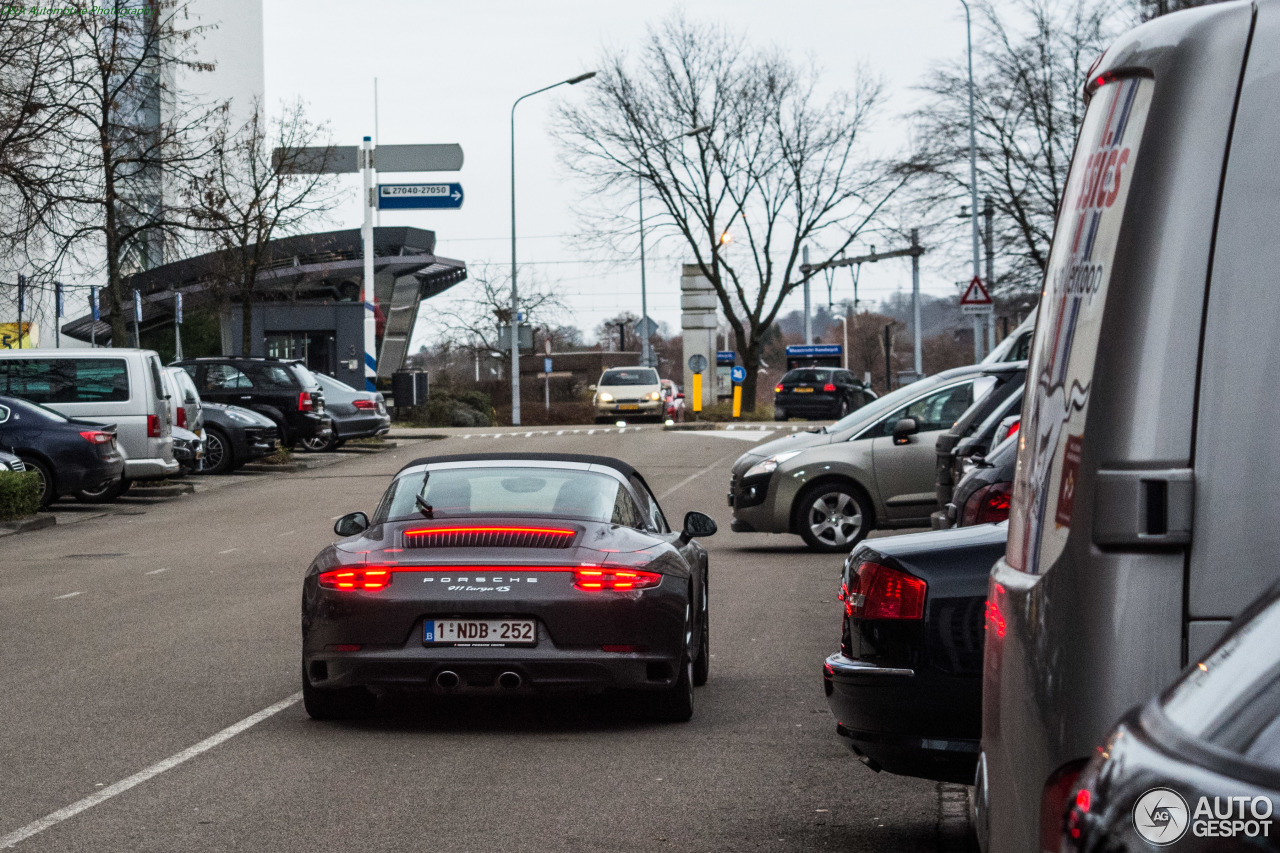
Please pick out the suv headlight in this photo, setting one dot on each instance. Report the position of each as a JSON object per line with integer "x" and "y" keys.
{"x": 768, "y": 466}
{"x": 605, "y": 397}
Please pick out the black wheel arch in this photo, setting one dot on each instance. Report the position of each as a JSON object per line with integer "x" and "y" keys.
{"x": 827, "y": 479}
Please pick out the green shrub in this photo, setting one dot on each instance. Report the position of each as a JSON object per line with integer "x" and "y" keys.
{"x": 445, "y": 408}
{"x": 19, "y": 494}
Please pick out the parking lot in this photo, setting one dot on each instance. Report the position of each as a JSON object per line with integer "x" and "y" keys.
{"x": 136, "y": 635}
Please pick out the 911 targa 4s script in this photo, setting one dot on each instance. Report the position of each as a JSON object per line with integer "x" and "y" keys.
{"x": 508, "y": 573}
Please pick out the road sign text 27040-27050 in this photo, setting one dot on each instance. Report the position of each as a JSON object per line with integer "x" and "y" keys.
{"x": 419, "y": 196}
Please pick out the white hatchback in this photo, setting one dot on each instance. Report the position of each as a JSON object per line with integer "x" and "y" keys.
{"x": 626, "y": 393}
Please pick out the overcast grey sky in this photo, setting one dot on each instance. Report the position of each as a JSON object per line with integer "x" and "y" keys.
{"x": 449, "y": 71}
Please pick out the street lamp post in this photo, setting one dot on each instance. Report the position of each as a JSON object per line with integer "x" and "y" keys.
{"x": 515, "y": 293}
{"x": 973, "y": 177}
{"x": 645, "y": 350}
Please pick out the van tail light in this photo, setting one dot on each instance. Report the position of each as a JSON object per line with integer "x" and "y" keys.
{"x": 829, "y": 387}
{"x": 1057, "y": 793}
{"x": 305, "y": 403}
{"x": 880, "y": 592}
{"x": 366, "y": 405}
{"x": 603, "y": 579}
{"x": 94, "y": 436}
{"x": 182, "y": 417}
{"x": 153, "y": 426}
{"x": 364, "y": 579}
{"x": 777, "y": 389}
{"x": 988, "y": 504}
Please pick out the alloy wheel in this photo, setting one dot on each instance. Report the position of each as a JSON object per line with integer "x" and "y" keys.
{"x": 835, "y": 519}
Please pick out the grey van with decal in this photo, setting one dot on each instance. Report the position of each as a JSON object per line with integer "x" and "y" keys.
{"x": 1142, "y": 517}
{"x": 119, "y": 386}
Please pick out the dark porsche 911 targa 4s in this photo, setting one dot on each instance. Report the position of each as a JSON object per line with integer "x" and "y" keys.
{"x": 508, "y": 573}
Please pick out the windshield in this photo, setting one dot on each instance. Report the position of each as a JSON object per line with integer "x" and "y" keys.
{"x": 555, "y": 492}
{"x": 889, "y": 402}
{"x": 803, "y": 376}
{"x": 630, "y": 376}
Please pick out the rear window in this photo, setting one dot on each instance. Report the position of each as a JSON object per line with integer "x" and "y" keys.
{"x": 807, "y": 377}
{"x": 66, "y": 380}
{"x": 306, "y": 378}
{"x": 630, "y": 376}
{"x": 454, "y": 492}
{"x": 157, "y": 384}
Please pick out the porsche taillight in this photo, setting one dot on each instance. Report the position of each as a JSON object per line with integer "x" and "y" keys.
{"x": 604, "y": 579}
{"x": 364, "y": 579}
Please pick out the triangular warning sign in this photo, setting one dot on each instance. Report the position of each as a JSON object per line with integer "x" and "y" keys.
{"x": 975, "y": 293}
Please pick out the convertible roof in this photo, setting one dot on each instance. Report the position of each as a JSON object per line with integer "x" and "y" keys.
{"x": 607, "y": 461}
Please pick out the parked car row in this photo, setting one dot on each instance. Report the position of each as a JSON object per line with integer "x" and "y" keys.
{"x": 90, "y": 422}
{"x": 1092, "y": 639}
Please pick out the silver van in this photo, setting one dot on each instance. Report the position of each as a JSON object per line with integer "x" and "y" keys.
{"x": 119, "y": 386}
{"x": 1143, "y": 509}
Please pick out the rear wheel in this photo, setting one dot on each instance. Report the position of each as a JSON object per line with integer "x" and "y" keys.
{"x": 843, "y": 410}
{"x": 219, "y": 458}
{"x": 832, "y": 516}
{"x": 319, "y": 444}
{"x": 675, "y": 705}
{"x": 48, "y": 491}
{"x": 344, "y": 703}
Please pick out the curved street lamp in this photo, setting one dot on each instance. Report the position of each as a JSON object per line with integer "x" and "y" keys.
{"x": 515, "y": 294}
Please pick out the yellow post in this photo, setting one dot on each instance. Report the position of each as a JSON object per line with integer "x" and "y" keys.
{"x": 697, "y": 392}
{"x": 737, "y": 400}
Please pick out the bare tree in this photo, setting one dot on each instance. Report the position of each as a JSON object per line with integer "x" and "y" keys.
{"x": 779, "y": 168}
{"x": 131, "y": 134}
{"x": 248, "y": 195}
{"x": 472, "y": 321}
{"x": 1155, "y": 8}
{"x": 1028, "y": 71}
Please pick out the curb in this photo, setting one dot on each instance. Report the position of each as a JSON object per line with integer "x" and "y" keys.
{"x": 22, "y": 525}
{"x": 168, "y": 490}
{"x": 691, "y": 426}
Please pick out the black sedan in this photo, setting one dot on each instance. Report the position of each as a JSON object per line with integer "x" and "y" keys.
{"x": 234, "y": 436}
{"x": 72, "y": 457}
{"x": 818, "y": 392}
{"x": 505, "y": 574}
{"x": 984, "y": 493}
{"x": 906, "y": 685}
{"x": 1199, "y": 765}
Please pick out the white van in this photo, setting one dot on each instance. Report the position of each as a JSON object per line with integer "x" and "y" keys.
{"x": 119, "y": 386}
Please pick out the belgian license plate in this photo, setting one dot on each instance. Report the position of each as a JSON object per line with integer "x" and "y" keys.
{"x": 480, "y": 632}
{"x": 803, "y": 390}
{"x": 629, "y": 407}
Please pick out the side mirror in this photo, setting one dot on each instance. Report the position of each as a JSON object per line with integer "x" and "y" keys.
{"x": 697, "y": 524}
{"x": 904, "y": 429}
{"x": 351, "y": 524}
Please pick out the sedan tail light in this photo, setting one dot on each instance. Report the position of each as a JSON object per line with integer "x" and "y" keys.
{"x": 94, "y": 436}
{"x": 880, "y": 592}
{"x": 1053, "y": 803}
{"x": 305, "y": 403}
{"x": 596, "y": 580}
{"x": 153, "y": 426}
{"x": 367, "y": 405}
{"x": 829, "y": 387}
{"x": 182, "y": 417}
{"x": 777, "y": 389}
{"x": 988, "y": 504}
{"x": 366, "y": 579}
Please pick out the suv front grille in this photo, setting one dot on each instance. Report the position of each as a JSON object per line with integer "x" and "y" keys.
{"x": 489, "y": 537}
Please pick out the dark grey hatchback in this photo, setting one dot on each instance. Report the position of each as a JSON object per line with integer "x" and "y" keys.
{"x": 507, "y": 574}
{"x": 818, "y": 392}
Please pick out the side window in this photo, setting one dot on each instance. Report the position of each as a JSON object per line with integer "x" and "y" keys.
{"x": 271, "y": 376}
{"x": 157, "y": 383}
{"x": 224, "y": 377}
{"x": 649, "y": 507}
{"x": 4, "y": 414}
{"x": 938, "y": 410}
{"x": 625, "y": 511}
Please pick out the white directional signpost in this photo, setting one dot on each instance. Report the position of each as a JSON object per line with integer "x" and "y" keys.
{"x": 976, "y": 301}
{"x": 344, "y": 159}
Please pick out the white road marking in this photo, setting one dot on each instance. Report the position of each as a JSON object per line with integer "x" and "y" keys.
{"x": 13, "y": 838}
{"x": 290, "y": 533}
{"x": 741, "y": 435}
{"x": 156, "y": 571}
{"x": 228, "y": 551}
{"x": 687, "y": 480}
{"x": 68, "y": 595}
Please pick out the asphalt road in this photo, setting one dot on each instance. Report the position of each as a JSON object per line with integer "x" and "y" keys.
{"x": 126, "y": 641}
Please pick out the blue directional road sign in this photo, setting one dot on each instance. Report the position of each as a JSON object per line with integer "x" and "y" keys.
{"x": 419, "y": 196}
{"x": 738, "y": 374}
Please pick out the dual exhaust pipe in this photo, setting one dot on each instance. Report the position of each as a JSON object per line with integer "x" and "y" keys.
{"x": 449, "y": 680}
